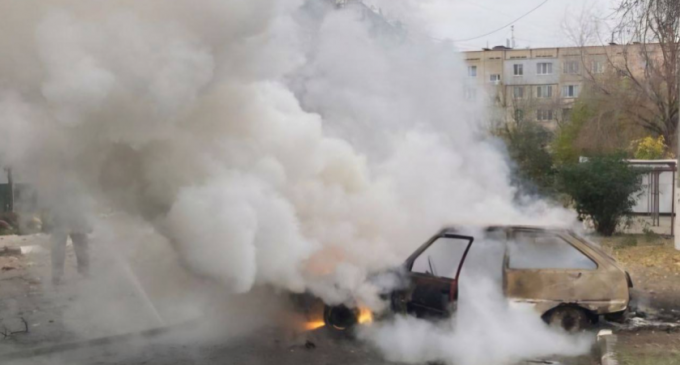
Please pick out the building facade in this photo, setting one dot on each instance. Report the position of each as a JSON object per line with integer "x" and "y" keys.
{"x": 541, "y": 84}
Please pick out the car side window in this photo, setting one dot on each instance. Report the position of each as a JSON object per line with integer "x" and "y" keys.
{"x": 441, "y": 258}
{"x": 537, "y": 250}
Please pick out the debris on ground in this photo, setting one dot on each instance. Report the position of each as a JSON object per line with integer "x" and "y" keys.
{"x": 642, "y": 324}
{"x": 8, "y": 332}
{"x": 10, "y": 251}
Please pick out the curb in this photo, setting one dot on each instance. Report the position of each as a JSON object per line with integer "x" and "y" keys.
{"x": 606, "y": 341}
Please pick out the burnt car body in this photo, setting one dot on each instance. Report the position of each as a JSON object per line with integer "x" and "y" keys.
{"x": 567, "y": 279}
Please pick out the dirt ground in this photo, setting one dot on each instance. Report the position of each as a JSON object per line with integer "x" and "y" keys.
{"x": 35, "y": 315}
{"x": 654, "y": 266}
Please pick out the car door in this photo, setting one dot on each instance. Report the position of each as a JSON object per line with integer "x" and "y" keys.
{"x": 434, "y": 271}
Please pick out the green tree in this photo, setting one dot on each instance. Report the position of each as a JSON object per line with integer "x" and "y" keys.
{"x": 565, "y": 149}
{"x": 527, "y": 144}
{"x": 604, "y": 189}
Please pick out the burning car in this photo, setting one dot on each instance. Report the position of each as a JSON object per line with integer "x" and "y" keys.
{"x": 568, "y": 280}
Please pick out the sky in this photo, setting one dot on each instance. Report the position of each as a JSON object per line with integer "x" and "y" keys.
{"x": 544, "y": 27}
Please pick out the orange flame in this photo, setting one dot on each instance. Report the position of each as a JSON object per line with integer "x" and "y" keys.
{"x": 310, "y": 326}
{"x": 365, "y": 316}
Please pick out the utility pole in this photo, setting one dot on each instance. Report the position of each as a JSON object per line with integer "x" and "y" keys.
{"x": 10, "y": 185}
{"x": 676, "y": 221}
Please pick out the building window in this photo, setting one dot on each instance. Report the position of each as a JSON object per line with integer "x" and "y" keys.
{"x": 598, "y": 67}
{"x": 470, "y": 93}
{"x": 544, "y": 91}
{"x": 519, "y": 115}
{"x": 566, "y": 114}
{"x": 495, "y": 77}
{"x": 570, "y": 91}
{"x": 472, "y": 71}
{"x": 518, "y": 69}
{"x": 544, "y": 68}
{"x": 518, "y": 92}
{"x": 571, "y": 68}
{"x": 544, "y": 114}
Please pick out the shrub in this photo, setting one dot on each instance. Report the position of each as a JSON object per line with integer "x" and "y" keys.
{"x": 650, "y": 235}
{"x": 604, "y": 189}
{"x": 649, "y": 148}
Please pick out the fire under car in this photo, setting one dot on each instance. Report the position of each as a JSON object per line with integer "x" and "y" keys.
{"x": 570, "y": 281}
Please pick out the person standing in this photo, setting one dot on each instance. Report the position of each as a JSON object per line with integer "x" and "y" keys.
{"x": 80, "y": 247}
{"x": 67, "y": 217}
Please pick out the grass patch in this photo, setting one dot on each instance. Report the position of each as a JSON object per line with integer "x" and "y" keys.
{"x": 643, "y": 251}
{"x": 629, "y": 358}
{"x": 660, "y": 257}
{"x": 632, "y": 240}
{"x": 629, "y": 241}
{"x": 650, "y": 235}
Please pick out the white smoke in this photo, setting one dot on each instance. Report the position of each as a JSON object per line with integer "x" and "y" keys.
{"x": 282, "y": 143}
{"x": 486, "y": 327}
{"x": 485, "y": 330}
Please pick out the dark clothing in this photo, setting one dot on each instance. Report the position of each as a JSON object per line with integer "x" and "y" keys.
{"x": 80, "y": 247}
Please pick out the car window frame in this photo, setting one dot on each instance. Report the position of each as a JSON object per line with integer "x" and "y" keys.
{"x": 443, "y": 234}
{"x": 566, "y": 238}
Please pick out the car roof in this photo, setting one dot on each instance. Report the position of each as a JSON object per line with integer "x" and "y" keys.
{"x": 457, "y": 229}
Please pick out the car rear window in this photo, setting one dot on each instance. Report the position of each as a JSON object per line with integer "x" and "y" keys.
{"x": 593, "y": 246}
{"x": 543, "y": 250}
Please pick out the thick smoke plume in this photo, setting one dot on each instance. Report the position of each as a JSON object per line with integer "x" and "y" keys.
{"x": 486, "y": 328}
{"x": 294, "y": 144}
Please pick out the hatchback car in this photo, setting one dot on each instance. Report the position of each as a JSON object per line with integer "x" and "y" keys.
{"x": 567, "y": 279}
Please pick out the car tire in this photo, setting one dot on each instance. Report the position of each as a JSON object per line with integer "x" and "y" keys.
{"x": 569, "y": 318}
{"x": 340, "y": 321}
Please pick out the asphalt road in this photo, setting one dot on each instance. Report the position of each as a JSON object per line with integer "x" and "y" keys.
{"x": 266, "y": 346}
{"x": 189, "y": 345}
{"x": 64, "y": 320}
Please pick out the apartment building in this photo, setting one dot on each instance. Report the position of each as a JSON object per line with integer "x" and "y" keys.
{"x": 541, "y": 84}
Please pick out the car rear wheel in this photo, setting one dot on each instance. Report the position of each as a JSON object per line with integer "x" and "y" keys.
{"x": 571, "y": 319}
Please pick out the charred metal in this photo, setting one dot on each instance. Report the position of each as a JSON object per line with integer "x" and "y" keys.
{"x": 571, "y": 294}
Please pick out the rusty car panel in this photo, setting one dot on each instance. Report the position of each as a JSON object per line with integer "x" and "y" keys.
{"x": 601, "y": 289}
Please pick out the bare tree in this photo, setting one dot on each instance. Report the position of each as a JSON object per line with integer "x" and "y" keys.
{"x": 606, "y": 125}
{"x": 638, "y": 70}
